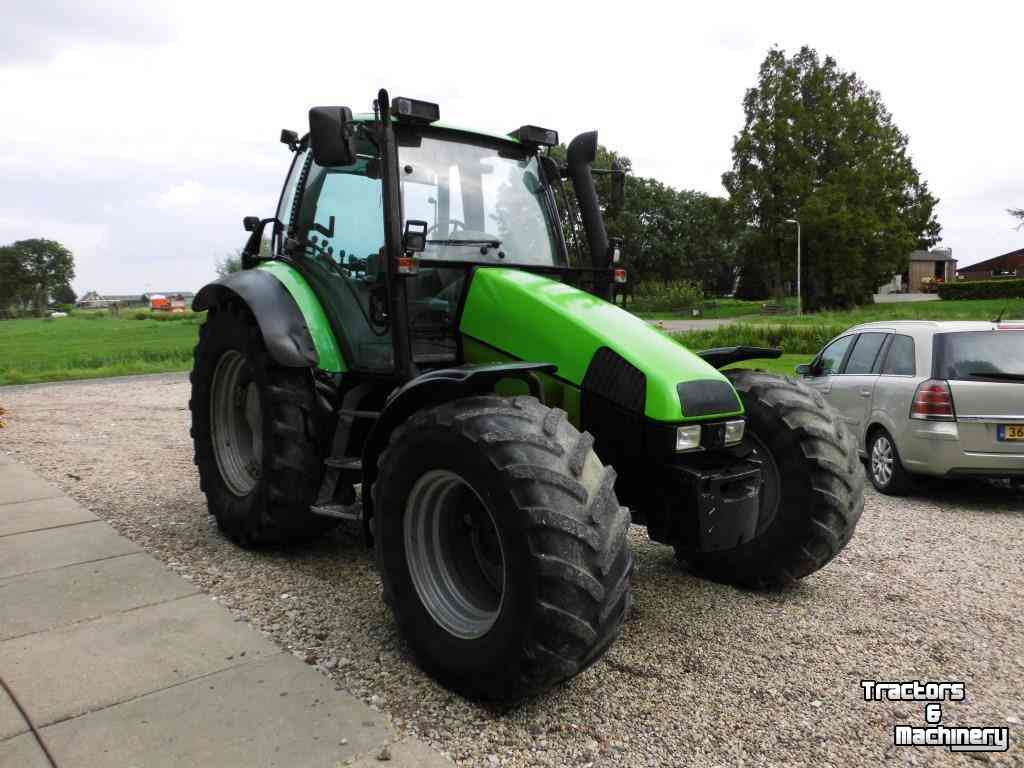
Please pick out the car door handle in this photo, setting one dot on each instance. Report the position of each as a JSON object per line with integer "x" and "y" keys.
{"x": 865, "y": 393}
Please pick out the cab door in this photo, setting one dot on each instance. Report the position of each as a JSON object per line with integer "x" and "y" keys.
{"x": 854, "y": 386}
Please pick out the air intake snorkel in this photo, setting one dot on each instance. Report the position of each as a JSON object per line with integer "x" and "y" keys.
{"x": 582, "y": 153}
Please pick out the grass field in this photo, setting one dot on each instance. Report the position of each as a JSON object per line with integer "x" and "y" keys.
{"x": 92, "y": 345}
{"x": 719, "y": 308}
{"x": 785, "y": 365}
{"x": 970, "y": 309}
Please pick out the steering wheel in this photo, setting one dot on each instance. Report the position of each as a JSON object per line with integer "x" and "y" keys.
{"x": 455, "y": 224}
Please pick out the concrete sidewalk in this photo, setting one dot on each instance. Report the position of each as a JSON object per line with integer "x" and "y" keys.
{"x": 120, "y": 662}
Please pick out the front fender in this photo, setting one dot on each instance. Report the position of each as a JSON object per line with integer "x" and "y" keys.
{"x": 282, "y": 324}
{"x": 433, "y": 388}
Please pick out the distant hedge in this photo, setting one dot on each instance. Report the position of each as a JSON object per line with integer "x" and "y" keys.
{"x": 982, "y": 289}
{"x": 791, "y": 339}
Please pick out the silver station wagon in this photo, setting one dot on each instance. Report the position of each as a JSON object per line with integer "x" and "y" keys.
{"x": 943, "y": 399}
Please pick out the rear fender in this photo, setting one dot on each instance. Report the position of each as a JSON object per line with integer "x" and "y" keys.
{"x": 281, "y": 322}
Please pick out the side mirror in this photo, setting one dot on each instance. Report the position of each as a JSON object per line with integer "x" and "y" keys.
{"x": 804, "y": 369}
{"x": 414, "y": 240}
{"x": 330, "y": 136}
{"x": 255, "y": 226}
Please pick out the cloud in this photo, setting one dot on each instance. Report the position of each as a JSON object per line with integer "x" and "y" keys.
{"x": 38, "y": 31}
{"x": 188, "y": 194}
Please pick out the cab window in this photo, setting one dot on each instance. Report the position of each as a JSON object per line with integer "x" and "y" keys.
{"x": 338, "y": 233}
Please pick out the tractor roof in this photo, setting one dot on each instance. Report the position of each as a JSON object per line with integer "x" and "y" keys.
{"x": 366, "y": 117}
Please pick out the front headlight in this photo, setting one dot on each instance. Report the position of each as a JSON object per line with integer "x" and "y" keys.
{"x": 688, "y": 438}
{"x": 734, "y": 431}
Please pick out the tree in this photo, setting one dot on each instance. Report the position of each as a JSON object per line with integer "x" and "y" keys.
{"x": 819, "y": 146}
{"x": 232, "y": 262}
{"x": 667, "y": 234}
{"x": 65, "y": 295}
{"x": 31, "y": 271}
{"x": 1017, "y": 213}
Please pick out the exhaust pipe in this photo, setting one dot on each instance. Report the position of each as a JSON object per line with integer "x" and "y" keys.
{"x": 582, "y": 153}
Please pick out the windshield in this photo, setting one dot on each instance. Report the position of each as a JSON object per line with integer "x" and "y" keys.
{"x": 977, "y": 354}
{"x": 480, "y": 203}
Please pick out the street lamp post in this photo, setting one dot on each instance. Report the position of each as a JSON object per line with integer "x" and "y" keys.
{"x": 799, "y": 295}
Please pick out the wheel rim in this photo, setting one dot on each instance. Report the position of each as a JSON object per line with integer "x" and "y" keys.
{"x": 236, "y": 424}
{"x": 753, "y": 449}
{"x": 882, "y": 460}
{"x": 454, "y": 554}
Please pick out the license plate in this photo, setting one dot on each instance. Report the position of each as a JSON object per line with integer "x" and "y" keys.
{"x": 1011, "y": 432}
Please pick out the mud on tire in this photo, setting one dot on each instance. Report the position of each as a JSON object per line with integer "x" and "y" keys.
{"x": 563, "y": 541}
{"x": 821, "y": 486}
{"x": 276, "y": 509}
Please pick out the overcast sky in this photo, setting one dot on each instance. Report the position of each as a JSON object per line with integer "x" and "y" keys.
{"x": 139, "y": 134}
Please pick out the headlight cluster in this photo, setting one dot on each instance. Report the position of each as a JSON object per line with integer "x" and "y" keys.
{"x": 691, "y": 437}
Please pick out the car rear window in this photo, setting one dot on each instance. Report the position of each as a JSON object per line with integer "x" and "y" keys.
{"x": 900, "y": 359}
{"x": 972, "y": 354}
{"x": 862, "y": 359}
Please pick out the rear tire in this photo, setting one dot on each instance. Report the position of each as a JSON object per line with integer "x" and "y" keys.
{"x": 884, "y": 468}
{"x": 820, "y": 486}
{"x": 548, "y": 592}
{"x": 258, "y": 452}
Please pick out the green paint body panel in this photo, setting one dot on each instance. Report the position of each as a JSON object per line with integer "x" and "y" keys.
{"x": 533, "y": 318}
{"x": 319, "y": 328}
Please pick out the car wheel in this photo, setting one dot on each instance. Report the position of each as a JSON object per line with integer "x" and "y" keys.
{"x": 885, "y": 470}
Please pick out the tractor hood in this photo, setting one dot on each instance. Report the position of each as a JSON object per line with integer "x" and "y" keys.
{"x": 529, "y": 317}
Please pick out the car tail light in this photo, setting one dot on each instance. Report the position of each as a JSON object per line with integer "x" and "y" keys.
{"x": 933, "y": 401}
{"x": 620, "y": 276}
{"x": 1010, "y": 326}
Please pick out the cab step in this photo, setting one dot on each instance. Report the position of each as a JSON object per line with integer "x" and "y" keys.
{"x": 353, "y": 513}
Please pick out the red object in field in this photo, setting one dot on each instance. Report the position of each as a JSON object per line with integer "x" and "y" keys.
{"x": 160, "y": 303}
{"x": 933, "y": 402}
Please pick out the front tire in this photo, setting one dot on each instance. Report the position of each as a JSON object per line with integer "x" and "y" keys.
{"x": 814, "y": 487}
{"x": 256, "y": 441}
{"x": 503, "y": 549}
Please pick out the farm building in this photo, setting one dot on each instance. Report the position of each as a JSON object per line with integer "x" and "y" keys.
{"x": 924, "y": 269}
{"x": 1009, "y": 264}
{"x": 929, "y": 267}
{"x": 95, "y": 300}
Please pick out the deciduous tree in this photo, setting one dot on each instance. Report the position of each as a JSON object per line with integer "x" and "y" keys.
{"x": 819, "y": 146}
{"x": 31, "y": 271}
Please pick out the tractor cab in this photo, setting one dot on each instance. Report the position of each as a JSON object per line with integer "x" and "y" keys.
{"x": 453, "y": 201}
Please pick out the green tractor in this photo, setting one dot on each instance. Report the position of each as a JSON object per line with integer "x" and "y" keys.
{"x": 416, "y": 355}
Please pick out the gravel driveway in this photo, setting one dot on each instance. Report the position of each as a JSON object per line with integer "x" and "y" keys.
{"x": 931, "y": 588}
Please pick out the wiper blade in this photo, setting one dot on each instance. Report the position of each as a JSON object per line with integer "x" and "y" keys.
{"x": 1000, "y": 375}
{"x": 493, "y": 243}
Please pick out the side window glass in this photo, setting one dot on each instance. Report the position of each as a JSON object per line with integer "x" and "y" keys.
{"x": 862, "y": 359}
{"x": 900, "y": 360}
{"x": 342, "y": 214}
{"x": 832, "y": 356}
